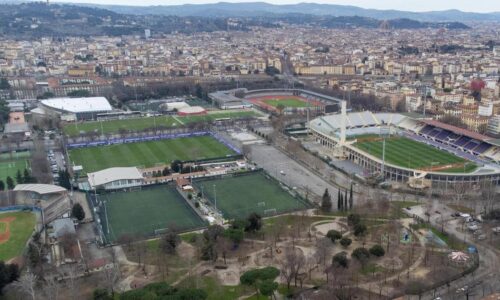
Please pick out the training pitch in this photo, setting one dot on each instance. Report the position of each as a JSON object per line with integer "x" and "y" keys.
{"x": 411, "y": 154}
{"x": 140, "y": 213}
{"x": 140, "y": 124}
{"x": 11, "y": 162}
{"x": 15, "y": 230}
{"x": 239, "y": 196}
{"x": 287, "y": 102}
{"x": 147, "y": 154}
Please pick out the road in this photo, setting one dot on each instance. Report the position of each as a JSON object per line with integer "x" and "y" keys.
{"x": 485, "y": 280}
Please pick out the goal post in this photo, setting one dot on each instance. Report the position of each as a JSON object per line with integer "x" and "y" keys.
{"x": 271, "y": 211}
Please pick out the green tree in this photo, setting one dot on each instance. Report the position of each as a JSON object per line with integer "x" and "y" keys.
{"x": 359, "y": 229}
{"x": 10, "y": 183}
{"x": 339, "y": 201}
{"x": 267, "y": 287}
{"x": 361, "y": 254}
{"x": 4, "y": 113}
{"x": 19, "y": 177}
{"x": 340, "y": 259}
{"x": 77, "y": 212}
{"x": 345, "y": 242}
{"x": 236, "y": 235}
{"x": 2, "y": 185}
{"x": 27, "y": 178}
{"x": 170, "y": 241}
{"x": 8, "y": 274}
{"x": 377, "y": 250}
{"x": 333, "y": 235}
{"x": 79, "y": 93}
{"x": 326, "y": 202}
{"x": 101, "y": 294}
{"x": 64, "y": 179}
{"x": 176, "y": 166}
{"x": 254, "y": 222}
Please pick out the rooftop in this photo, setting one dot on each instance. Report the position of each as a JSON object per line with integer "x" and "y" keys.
{"x": 78, "y": 105}
{"x": 113, "y": 174}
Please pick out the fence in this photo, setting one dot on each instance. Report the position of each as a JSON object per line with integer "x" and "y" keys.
{"x": 117, "y": 141}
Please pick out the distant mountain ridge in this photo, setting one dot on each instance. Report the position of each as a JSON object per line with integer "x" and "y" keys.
{"x": 253, "y": 9}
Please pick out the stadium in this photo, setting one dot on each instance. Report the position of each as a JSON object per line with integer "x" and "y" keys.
{"x": 400, "y": 148}
{"x": 26, "y": 209}
{"x": 268, "y": 100}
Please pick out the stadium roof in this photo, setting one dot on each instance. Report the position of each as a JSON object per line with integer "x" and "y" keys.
{"x": 457, "y": 130}
{"x": 113, "y": 174}
{"x": 79, "y": 105}
{"x": 40, "y": 188}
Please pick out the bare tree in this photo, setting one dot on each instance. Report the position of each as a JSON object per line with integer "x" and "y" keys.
{"x": 51, "y": 288}
{"x": 291, "y": 265}
{"x": 26, "y": 284}
{"x": 72, "y": 281}
{"x": 112, "y": 274}
{"x": 322, "y": 250}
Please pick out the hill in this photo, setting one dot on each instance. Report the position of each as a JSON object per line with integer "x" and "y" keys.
{"x": 34, "y": 20}
{"x": 253, "y": 9}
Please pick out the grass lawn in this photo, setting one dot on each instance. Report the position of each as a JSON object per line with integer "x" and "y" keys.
{"x": 288, "y": 102}
{"x": 407, "y": 153}
{"x": 148, "y": 154}
{"x": 141, "y": 212}
{"x": 21, "y": 230}
{"x": 11, "y": 162}
{"x": 139, "y": 124}
{"x": 239, "y": 196}
{"x": 215, "y": 290}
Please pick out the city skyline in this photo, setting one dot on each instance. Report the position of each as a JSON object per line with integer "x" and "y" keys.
{"x": 411, "y": 5}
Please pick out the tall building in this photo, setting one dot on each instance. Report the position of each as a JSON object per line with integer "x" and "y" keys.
{"x": 147, "y": 33}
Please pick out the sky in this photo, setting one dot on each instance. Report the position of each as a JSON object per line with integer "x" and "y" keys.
{"x": 409, "y": 5}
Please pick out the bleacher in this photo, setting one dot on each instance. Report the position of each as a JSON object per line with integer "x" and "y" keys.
{"x": 456, "y": 140}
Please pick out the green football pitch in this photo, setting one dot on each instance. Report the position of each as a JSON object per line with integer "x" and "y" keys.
{"x": 11, "y": 162}
{"x": 239, "y": 196}
{"x": 17, "y": 229}
{"x": 287, "y": 102}
{"x": 139, "y": 124}
{"x": 411, "y": 154}
{"x": 140, "y": 213}
{"x": 148, "y": 154}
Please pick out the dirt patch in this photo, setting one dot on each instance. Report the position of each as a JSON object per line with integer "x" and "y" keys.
{"x": 324, "y": 228}
{"x": 5, "y": 236}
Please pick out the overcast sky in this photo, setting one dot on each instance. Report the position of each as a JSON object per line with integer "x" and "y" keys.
{"x": 410, "y": 5}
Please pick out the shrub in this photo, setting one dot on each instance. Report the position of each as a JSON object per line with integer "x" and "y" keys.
{"x": 333, "y": 235}
{"x": 346, "y": 242}
{"x": 361, "y": 254}
{"x": 359, "y": 229}
{"x": 340, "y": 259}
{"x": 377, "y": 250}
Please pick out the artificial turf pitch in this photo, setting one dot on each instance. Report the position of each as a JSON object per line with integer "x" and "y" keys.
{"x": 139, "y": 124}
{"x": 11, "y": 162}
{"x": 21, "y": 230}
{"x": 148, "y": 154}
{"x": 411, "y": 154}
{"x": 140, "y": 213}
{"x": 239, "y": 196}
